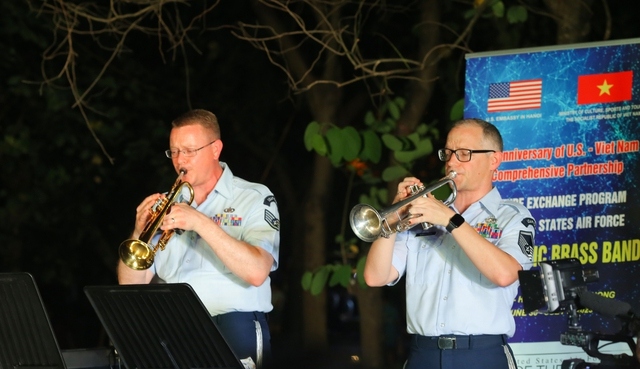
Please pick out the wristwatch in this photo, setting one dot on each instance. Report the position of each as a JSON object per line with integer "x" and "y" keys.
{"x": 455, "y": 222}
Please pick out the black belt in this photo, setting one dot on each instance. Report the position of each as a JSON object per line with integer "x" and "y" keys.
{"x": 452, "y": 342}
{"x": 236, "y": 316}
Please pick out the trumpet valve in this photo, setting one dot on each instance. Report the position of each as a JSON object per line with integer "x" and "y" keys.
{"x": 159, "y": 204}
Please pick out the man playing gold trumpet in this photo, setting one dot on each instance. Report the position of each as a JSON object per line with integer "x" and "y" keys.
{"x": 228, "y": 241}
{"x": 462, "y": 273}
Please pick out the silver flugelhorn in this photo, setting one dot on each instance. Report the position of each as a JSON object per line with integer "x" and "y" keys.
{"x": 369, "y": 224}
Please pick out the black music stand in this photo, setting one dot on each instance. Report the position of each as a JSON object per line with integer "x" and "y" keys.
{"x": 27, "y": 340}
{"x": 161, "y": 326}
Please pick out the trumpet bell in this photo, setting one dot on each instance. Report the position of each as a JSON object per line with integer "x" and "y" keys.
{"x": 136, "y": 254}
{"x": 366, "y": 222}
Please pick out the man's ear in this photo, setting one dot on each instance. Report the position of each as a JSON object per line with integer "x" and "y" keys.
{"x": 496, "y": 159}
{"x": 217, "y": 148}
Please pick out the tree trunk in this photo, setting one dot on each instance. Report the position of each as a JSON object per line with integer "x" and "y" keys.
{"x": 370, "y": 299}
{"x": 420, "y": 92}
{"x": 314, "y": 307}
{"x": 323, "y": 103}
{"x": 371, "y": 327}
{"x": 573, "y": 19}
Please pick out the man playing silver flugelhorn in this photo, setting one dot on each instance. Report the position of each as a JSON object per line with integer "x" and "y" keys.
{"x": 462, "y": 273}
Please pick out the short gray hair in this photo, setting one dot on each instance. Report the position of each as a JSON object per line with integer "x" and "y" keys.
{"x": 489, "y": 131}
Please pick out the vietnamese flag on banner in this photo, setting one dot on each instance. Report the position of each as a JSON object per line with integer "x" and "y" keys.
{"x": 605, "y": 87}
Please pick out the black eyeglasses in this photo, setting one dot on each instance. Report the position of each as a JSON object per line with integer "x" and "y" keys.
{"x": 463, "y": 155}
{"x": 186, "y": 152}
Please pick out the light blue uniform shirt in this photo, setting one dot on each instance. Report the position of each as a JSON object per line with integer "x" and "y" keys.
{"x": 246, "y": 211}
{"x": 446, "y": 293}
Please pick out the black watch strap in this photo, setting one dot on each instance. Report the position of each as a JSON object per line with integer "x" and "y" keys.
{"x": 455, "y": 222}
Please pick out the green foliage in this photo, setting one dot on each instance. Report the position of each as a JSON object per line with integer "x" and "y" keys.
{"x": 352, "y": 143}
{"x": 360, "y": 271}
{"x": 517, "y": 14}
{"x": 420, "y": 146}
{"x": 335, "y": 145}
{"x": 359, "y": 152}
{"x": 394, "y": 172}
{"x": 377, "y": 197}
{"x": 344, "y": 145}
{"x": 314, "y": 140}
{"x": 457, "y": 110}
{"x": 337, "y": 274}
{"x": 498, "y": 10}
{"x": 372, "y": 147}
{"x": 394, "y": 143}
{"x": 334, "y": 275}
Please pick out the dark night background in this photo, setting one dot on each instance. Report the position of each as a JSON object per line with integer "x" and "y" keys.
{"x": 65, "y": 208}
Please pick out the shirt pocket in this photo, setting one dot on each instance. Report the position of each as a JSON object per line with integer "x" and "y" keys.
{"x": 420, "y": 256}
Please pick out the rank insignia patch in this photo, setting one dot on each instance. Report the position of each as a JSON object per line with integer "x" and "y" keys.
{"x": 525, "y": 241}
{"x": 272, "y": 220}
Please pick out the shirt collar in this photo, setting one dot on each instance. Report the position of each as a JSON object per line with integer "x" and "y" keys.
{"x": 491, "y": 201}
{"x": 225, "y": 183}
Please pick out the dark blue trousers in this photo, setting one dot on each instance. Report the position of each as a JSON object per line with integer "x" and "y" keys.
{"x": 456, "y": 352}
{"x": 248, "y": 335}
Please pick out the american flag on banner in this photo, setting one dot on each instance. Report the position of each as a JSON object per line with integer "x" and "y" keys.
{"x": 516, "y": 95}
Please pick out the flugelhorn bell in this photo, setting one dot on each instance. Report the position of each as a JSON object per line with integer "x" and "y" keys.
{"x": 369, "y": 224}
{"x": 138, "y": 254}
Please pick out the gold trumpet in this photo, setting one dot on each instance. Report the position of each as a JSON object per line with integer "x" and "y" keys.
{"x": 369, "y": 224}
{"x": 138, "y": 254}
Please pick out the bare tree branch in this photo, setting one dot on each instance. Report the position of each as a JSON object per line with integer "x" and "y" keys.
{"x": 322, "y": 37}
{"x": 109, "y": 26}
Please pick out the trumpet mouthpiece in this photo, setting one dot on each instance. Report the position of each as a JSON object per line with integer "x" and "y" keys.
{"x": 452, "y": 174}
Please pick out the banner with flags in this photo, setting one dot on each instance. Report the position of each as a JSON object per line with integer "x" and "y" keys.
{"x": 570, "y": 120}
{"x": 515, "y": 95}
{"x": 605, "y": 87}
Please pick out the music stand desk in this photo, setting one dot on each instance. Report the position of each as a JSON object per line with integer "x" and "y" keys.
{"x": 158, "y": 326}
{"x": 27, "y": 340}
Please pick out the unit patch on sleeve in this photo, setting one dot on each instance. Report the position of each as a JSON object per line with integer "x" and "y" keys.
{"x": 269, "y": 199}
{"x": 271, "y": 220}
{"x": 529, "y": 222}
